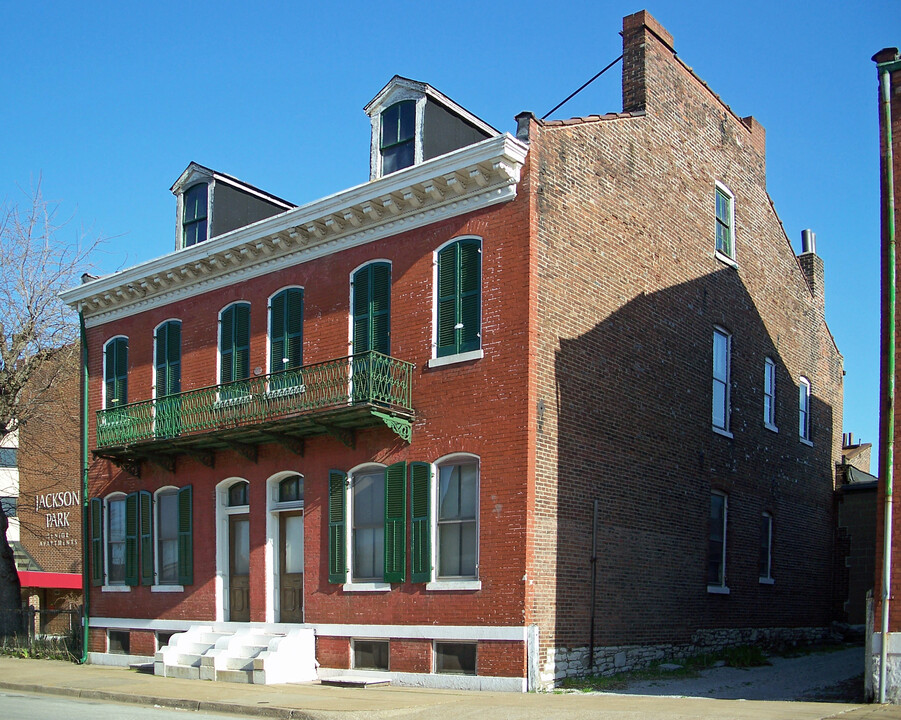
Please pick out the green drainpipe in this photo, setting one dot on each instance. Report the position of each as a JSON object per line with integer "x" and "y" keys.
{"x": 85, "y": 515}
{"x": 888, "y": 440}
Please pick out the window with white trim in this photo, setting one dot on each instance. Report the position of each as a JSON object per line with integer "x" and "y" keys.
{"x": 368, "y": 525}
{"x": 115, "y": 540}
{"x": 804, "y": 409}
{"x": 397, "y": 137}
{"x": 769, "y": 394}
{"x": 194, "y": 215}
{"x": 115, "y": 373}
{"x": 722, "y": 361}
{"x": 766, "y": 548}
{"x": 457, "y": 658}
{"x": 458, "y": 298}
{"x": 167, "y": 536}
{"x": 725, "y": 222}
{"x": 457, "y": 523}
{"x": 716, "y": 544}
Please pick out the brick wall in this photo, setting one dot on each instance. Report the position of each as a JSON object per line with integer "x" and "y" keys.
{"x": 49, "y": 464}
{"x": 630, "y": 292}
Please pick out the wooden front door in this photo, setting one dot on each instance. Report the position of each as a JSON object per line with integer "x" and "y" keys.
{"x": 290, "y": 567}
{"x": 239, "y": 568}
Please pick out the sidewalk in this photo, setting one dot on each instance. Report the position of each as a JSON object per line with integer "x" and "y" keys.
{"x": 313, "y": 701}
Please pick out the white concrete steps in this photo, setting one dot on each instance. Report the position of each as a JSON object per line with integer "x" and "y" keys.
{"x": 243, "y": 654}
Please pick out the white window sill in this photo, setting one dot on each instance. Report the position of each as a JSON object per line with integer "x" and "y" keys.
{"x": 805, "y": 441}
{"x": 367, "y": 587}
{"x": 717, "y": 589}
{"x": 767, "y": 581}
{"x": 458, "y": 358}
{"x": 724, "y": 433}
{"x": 770, "y": 426}
{"x": 723, "y": 258}
{"x": 115, "y": 588}
{"x": 454, "y": 585}
{"x": 167, "y": 588}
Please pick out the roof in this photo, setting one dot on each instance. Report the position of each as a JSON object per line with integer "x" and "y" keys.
{"x": 196, "y": 171}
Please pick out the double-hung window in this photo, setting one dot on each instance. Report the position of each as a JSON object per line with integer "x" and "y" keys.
{"x": 398, "y": 132}
{"x": 457, "y": 519}
{"x": 725, "y": 222}
{"x": 371, "y": 325}
{"x": 459, "y": 298}
{"x": 716, "y": 544}
{"x": 115, "y": 540}
{"x": 722, "y": 360}
{"x": 194, "y": 217}
{"x": 286, "y": 339}
{"x": 804, "y": 410}
{"x": 370, "y": 506}
{"x": 234, "y": 347}
{"x": 167, "y": 536}
{"x": 769, "y": 394}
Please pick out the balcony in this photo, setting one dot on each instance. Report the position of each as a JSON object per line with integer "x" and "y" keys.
{"x": 336, "y": 397}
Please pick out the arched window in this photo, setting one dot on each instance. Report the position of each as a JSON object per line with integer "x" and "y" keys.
{"x": 234, "y": 343}
{"x": 194, "y": 218}
{"x": 115, "y": 373}
{"x": 459, "y": 297}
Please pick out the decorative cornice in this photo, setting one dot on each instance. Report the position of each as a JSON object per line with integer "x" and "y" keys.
{"x": 465, "y": 180}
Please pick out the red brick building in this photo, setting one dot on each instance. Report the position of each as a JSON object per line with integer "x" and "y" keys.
{"x": 514, "y": 400}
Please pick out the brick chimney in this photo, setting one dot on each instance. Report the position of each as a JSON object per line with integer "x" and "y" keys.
{"x": 812, "y": 266}
{"x": 643, "y": 36}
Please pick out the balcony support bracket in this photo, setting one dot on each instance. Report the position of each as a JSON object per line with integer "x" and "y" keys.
{"x": 207, "y": 459}
{"x": 248, "y": 452}
{"x": 343, "y": 435}
{"x": 289, "y": 442}
{"x": 402, "y": 427}
{"x": 166, "y": 462}
{"x": 130, "y": 465}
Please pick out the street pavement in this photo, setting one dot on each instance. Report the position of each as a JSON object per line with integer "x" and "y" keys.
{"x": 314, "y": 702}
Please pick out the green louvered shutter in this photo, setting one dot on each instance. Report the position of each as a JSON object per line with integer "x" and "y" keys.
{"x": 396, "y": 522}
{"x": 227, "y": 345}
{"x": 131, "y": 539}
{"x": 116, "y": 373}
{"x": 337, "y": 565}
{"x": 185, "y": 536}
{"x": 362, "y": 294}
{"x": 145, "y": 514}
{"x": 168, "y": 359}
{"x": 96, "y": 520}
{"x": 380, "y": 302}
{"x": 286, "y": 330}
{"x": 470, "y": 315}
{"x": 447, "y": 300}
{"x": 242, "y": 342}
{"x": 421, "y": 522}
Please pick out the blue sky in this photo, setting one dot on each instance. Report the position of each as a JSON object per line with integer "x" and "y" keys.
{"x": 109, "y": 103}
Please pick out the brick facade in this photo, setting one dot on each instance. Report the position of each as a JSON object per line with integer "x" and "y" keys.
{"x": 600, "y": 294}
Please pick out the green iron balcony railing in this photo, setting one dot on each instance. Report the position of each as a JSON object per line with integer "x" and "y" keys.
{"x": 371, "y": 379}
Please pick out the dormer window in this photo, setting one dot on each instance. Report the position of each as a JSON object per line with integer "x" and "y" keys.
{"x": 194, "y": 225}
{"x": 397, "y": 146}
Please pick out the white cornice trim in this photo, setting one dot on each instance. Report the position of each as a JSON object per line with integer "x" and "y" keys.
{"x": 465, "y": 180}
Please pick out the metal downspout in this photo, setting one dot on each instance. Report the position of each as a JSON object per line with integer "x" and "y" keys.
{"x": 85, "y": 519}
{"x": 888, "y": 441}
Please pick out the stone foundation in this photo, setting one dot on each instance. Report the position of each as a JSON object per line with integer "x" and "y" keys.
{"x": 563, "y": 662}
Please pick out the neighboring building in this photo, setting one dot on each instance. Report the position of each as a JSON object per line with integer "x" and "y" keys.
{"x": 888, "y": 64}
{"x": 50, "y": 494}
{"x": 855, "y": 539}
{"x": 392, "y": 416}
{"x": 9, "y": 491}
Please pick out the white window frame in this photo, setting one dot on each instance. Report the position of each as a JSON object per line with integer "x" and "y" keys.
{"x": 728, "y": 258}
{"x": 769, "y": 394}
{"x": 439, "y": 582}
{"x": 108, "y": 586}
{"x": 180, "y": 209}
{"x": 804, "y": 410}
{"x": 719, "y": 588}
{"x": 767, "y": 577}
{"x": 358, "y": 585}
{"x": 153, "y": 388}
{"x": 158, "y": 585}
{"x": 726, "y": 382}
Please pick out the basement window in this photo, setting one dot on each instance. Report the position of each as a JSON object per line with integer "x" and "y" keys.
{"x": 370, "y": 654}
{"x": 119, "y": 642}
{"x": 455, "y": 658}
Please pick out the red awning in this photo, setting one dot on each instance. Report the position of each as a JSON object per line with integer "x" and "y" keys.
{"x": 61, "y": 581}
